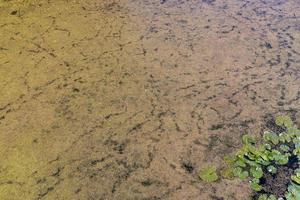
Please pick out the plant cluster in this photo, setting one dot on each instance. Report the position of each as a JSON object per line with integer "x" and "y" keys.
{"x": 276, "y": 153}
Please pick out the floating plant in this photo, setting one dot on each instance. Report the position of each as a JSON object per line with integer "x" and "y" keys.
{"x": 271, "y": 164}
{"x": 208, "y": 174}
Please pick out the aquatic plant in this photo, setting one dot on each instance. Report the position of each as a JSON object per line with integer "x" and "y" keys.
{"x": 209, "y": 174}
{"x": 271, "y": 164}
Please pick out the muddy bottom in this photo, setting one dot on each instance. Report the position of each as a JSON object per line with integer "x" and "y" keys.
{"x": 128, "y": 99}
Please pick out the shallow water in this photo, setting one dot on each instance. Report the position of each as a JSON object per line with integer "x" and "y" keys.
{"x": 108, "y": 99}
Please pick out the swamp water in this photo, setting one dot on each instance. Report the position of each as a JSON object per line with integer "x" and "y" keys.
{"x": 127, "y": 99}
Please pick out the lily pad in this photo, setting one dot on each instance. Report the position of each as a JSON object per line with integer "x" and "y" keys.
{"x": 208, "y": 174}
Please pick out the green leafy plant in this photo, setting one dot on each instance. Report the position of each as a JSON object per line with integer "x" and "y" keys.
{"x": 208, "y": 174}
{"x": 263, "y": 159}
{"x": 266, "y": 197}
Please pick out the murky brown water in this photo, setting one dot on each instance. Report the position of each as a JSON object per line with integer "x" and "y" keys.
{"x": 108, "y": 99}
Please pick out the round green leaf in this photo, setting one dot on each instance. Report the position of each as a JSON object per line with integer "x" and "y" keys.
{"x": 208, "y": 174}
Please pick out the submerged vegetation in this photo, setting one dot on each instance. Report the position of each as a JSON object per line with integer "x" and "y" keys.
{"x": 271, "y": 164}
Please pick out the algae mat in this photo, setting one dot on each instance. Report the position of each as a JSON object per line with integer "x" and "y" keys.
{"x": 127, "y": 99}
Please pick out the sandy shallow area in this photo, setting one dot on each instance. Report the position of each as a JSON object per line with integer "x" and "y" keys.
{"x": 128, "y": 99}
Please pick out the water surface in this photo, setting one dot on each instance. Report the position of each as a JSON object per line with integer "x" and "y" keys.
{"x": 127, "y": 99}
